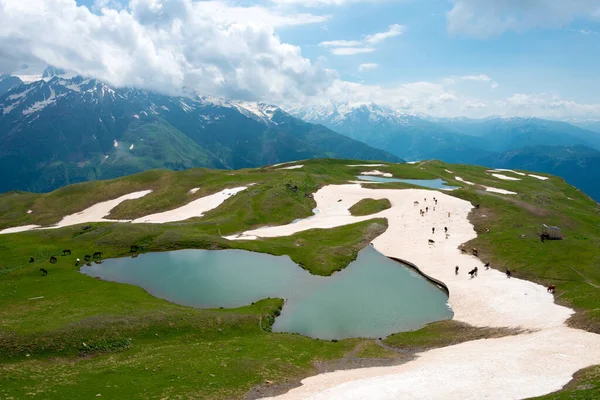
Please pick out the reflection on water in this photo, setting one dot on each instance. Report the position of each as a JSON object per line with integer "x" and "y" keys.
{"x": 373, "y": 297}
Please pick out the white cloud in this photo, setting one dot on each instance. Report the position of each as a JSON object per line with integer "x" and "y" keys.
{"x": 367, "y": 66}
{"x": 166, "y": 45}
{"x": 394, "y": 30}
{"x": 492, "y": 17}
{"x": 317, "y": 3}
{"x": 481, "y": 78}
{"x": 549, "y": 106}
{"x": 341, "y": 43}
{"x": 350, "y": 51}
{"x": 357, "y": 45}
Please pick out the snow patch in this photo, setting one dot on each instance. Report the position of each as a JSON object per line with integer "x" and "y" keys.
{"x": 496, "y": 190}
{"x": 458, "y": 178}
{"x": 131, "y": 147}
{"x": 293, "y": 167}
{"x": 115, "y": 143}
{"x": 541, "y": 178}
{"x": 377, "y": 172}
{"x": 506, "y": 178}
{"x": 196, "y": 208}
{"x": 366, "y": 165}
{"x": 194, "y": 190}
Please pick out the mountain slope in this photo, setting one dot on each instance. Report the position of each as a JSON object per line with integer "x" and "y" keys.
{"x": 57, "y": 131}
{"x": 406, "y": 136}
{"x": 8, "y": 82}
{"x": 578, "y": 165}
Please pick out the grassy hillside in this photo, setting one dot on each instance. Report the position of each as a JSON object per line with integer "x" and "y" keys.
{"x": 85, "y": 337}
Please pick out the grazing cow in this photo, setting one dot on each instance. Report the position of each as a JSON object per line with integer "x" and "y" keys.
{"x": 53, "y": 260}
{"x": 67, "y": 252}
{"x": 87, "y": 257}
{"x": 43, "y": 271}
{"x": 508, "y": 273}
{"x": 97, "y": 254}
{"x": 551, "y": 288}
{"x": 475, "y": 252}
{"x": 31, "y": 260}
{"x": 431, "y": 241}
{"x": 456, "y": 270}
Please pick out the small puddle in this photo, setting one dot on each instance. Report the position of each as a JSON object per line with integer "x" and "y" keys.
{"x": 428, "y": 183}
{"x": 373, "y": 297}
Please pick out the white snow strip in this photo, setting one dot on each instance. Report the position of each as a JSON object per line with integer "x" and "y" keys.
{"x": 541, "y": 178}
{"x": 506, "y": 178}
{"x": 448, "y": 171}
{"x": 115, "y": 143}
{"x": 284, "y": 163}
{"x": 136, "y": 116}
{"x": 496, "y": 190}
{"x": 106, "y": 156}
{"x": 377, "y": 172}
{"x": 194, "y": 190}
{"x": 16, "y": 229}
{"x": 513, "y": 367}
{"x": 508, "y": 170}
{"x": 412, "y": 162}
{"x": 366, "y": 165}
{"x": 293, "y": 167}
{"x": 458, "y": 178}
{"x": 196, "y": 208}
{"x": 95, "y": 213}
{"x": 131, "y": 147}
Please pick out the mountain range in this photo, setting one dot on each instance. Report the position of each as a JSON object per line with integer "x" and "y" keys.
{"x": 60, "y": 130}
{"x": 534, "y": 144}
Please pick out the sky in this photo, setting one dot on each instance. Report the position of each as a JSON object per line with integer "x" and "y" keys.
{"x": 451, "y": 58}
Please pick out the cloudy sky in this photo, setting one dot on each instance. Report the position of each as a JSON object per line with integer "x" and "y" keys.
{"x": 439, "y": 57}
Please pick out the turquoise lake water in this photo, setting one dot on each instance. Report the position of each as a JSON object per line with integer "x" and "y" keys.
{"x": 428, "y": 183}
{"x": 373, "y": 297}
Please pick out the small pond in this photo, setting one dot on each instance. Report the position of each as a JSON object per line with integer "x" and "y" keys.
{"x": 428, "y": 183}
{"x": 373, "y": 297}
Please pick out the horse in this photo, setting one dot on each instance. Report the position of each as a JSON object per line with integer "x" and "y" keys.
{"x": 31, "y": 260}
{"x": 551, "y": 289}
{"x": 97, "y": 254}
{"x": 43, "y": 271}
{"x": 67, "y": 252}
{"x": 431, "y": 241}
{"x": 53, "y": 260}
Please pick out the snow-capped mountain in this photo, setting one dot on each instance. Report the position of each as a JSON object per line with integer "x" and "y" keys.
{"x": 61, "y": 129}
{"x": 460, "y": 139}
